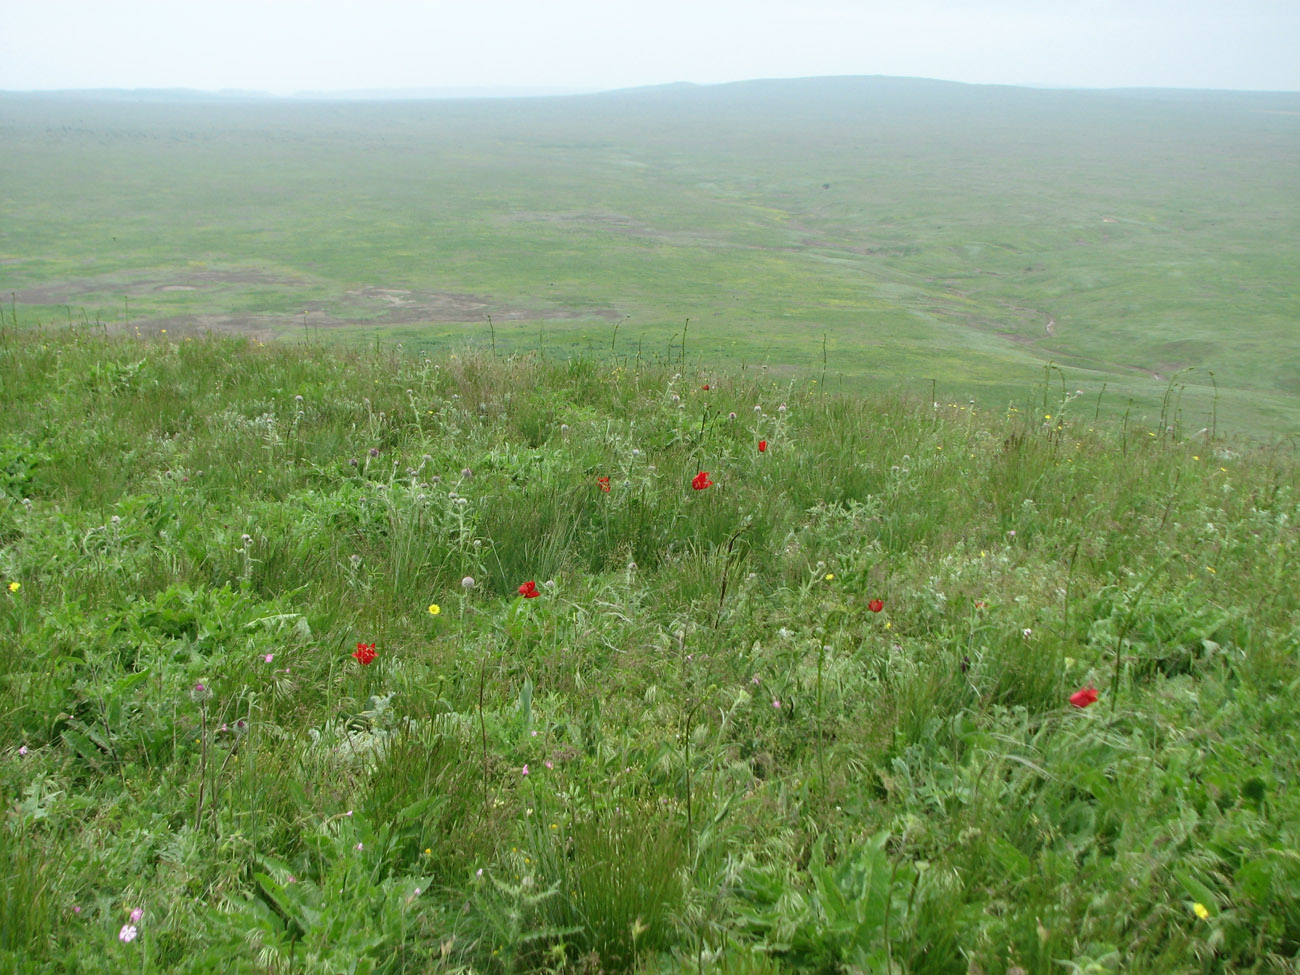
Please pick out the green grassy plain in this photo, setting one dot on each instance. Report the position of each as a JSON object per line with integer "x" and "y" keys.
{"x": 890, "y": 232}
{"x": 812, "y": 717}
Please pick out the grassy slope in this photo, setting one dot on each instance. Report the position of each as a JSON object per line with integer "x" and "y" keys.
{"x": 921, "y": 230}
{"x": 726, "y": 751}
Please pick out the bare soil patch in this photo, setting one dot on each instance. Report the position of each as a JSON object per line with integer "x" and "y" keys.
{"x": 369, "y": 305}
{"x": 78, "y": 290}
{"x": 397, "y": 306}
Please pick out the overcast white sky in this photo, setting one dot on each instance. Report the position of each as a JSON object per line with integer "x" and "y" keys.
{"x": 285, "y": 46}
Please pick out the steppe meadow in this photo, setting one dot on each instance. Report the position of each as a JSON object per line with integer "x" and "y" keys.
{"x": 843, "y": 525}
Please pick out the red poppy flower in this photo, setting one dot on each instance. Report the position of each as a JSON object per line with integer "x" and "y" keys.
{"x": 529, "y": 590}
{"x": 705, "y": 387}
{"x": 876, "y": 605}
{"x": 762, "y": 446}
{"x": 604, "y": 484}
{"x": 1083, "y": 697}
{"x": 364, "y": 653}
{"x": 701, "y": 481}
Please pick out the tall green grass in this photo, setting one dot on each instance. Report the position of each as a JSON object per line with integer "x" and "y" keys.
{"x": 698, "y": 748}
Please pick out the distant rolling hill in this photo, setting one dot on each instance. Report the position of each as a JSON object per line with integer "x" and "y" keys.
{"x": 878, "y": 231}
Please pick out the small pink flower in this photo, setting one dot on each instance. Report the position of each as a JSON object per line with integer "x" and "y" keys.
{"x": 22, "y": 749}
{"x": 137, "y": 914}
{"x": 76, "y": 909}
{"x": 127, "y": 934}
{"x": 776, "y": 703}
{"x": 549, "y": 764}
{"x": 525, "y": 771}
{"x": 361, "y": 846}
{"x": 269, "y": 657}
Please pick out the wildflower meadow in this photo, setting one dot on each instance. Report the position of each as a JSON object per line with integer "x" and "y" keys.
{"x": 325, "y": 660}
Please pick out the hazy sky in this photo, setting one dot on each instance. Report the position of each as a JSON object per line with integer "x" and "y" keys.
{"x": 292, "y": 45}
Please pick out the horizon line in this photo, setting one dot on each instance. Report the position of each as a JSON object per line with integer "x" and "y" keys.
{"x": 488, "y": 92}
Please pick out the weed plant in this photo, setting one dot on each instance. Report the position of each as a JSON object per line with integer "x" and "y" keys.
{"x": 907, "y": 687}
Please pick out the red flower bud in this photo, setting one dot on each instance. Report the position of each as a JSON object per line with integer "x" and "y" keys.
{"x": 1083, "y": 697}
{"x": 364, "y": 653}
